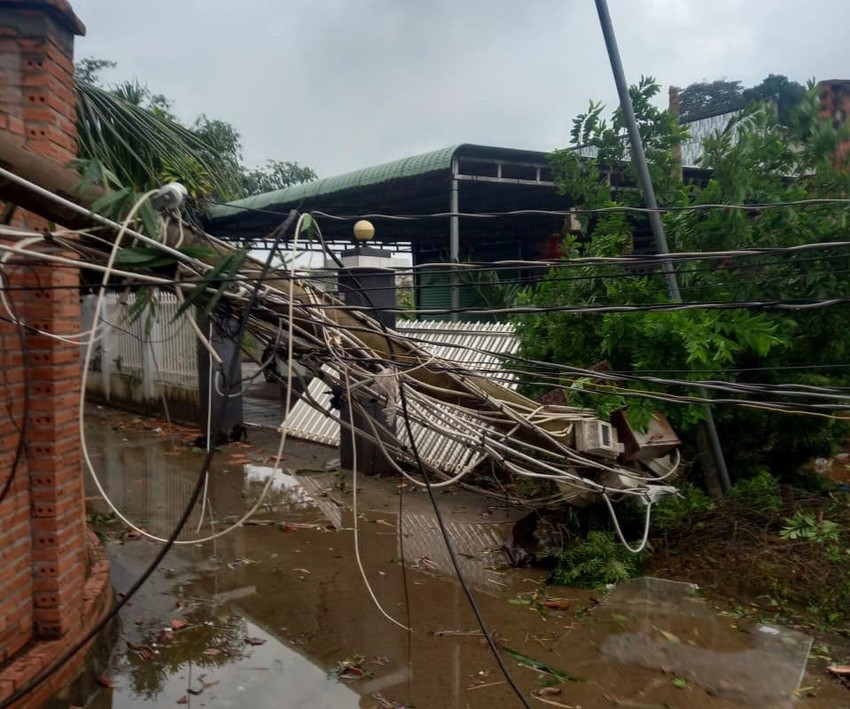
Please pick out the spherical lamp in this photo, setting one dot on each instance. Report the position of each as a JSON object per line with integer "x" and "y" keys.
{"x": 364, "y": 230}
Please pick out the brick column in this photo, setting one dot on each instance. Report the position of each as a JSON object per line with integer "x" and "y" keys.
{"x": 15, "y": 540}
{"x": 44, "y": 515}
{"x": 37, "y": 96}
{"x": 834, "y": 97}
{"x": 55, "y": 475}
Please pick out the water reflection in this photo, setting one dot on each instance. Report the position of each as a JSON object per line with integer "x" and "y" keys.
{"x": 291, "y": 579}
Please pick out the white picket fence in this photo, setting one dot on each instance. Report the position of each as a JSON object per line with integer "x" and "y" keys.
{"x": 139, "y": 361}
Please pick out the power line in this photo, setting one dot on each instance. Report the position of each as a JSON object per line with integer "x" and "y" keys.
{"x": 34, "y": 682}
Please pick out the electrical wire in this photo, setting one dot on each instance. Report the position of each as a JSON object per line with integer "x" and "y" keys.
{"x": 34, "y": 682}
{"x": 573, "y": 211}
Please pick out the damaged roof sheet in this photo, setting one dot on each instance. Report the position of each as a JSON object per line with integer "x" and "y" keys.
{"x": 472, "y": 345}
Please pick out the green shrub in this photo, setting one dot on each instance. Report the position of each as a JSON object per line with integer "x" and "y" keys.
{"x": 759, "y": 494}
{"x": 594, "y": 561}
{"x": 672, "y": 511}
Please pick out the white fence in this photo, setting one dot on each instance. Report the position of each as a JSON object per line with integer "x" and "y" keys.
{"x": 139, "y": 361}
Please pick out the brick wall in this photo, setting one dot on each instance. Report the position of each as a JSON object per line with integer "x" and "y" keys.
{"x": 834, "y": 97}
{"x": 16, "y": 601}
{"x": 43, "y": 540}
{"x": 37, "y": 99}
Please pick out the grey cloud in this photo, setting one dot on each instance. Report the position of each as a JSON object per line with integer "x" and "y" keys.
{"x": 341, "y": 84}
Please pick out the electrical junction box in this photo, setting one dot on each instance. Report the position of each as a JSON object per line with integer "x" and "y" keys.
{"x": 597, "y": 438}
{"x": 658, "y": 440}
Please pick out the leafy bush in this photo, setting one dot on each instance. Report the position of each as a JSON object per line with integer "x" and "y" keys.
{"x": 759, "y": 494}
{"x": 672, "y": 511}
{"x": 805, "y": 525}
{"x": 594, "y": 561}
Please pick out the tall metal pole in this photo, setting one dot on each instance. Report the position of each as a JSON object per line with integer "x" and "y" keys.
{"x": 655, "y": 222}
{"x": 454, "y": 239}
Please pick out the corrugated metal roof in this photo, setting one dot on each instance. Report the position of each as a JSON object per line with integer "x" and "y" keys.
{"x": 473, "y": 345}
{"x": 394, "y": 170}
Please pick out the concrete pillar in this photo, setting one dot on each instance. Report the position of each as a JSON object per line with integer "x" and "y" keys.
{"x": 214, "y": 390}
{"x": 366, "y": 280}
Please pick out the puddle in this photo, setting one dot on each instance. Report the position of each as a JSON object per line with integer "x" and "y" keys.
{"x": 665, "y": 625}
{"x": 291, "y": 579}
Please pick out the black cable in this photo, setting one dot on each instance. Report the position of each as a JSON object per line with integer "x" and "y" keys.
{"x": 166, "y": 547}
{"x": 439, "y": 516}
{"x": 766, "y": 305}
{"x": 576, "y": 211}
{"x": 402, "y": 559}
{"x": 22, "y": 429}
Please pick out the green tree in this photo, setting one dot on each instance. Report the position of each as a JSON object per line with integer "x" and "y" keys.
{"x": 275, "y": 175}
{"x": 756, "y": 160}
{"x": 130, "y": 140}
{"x": 709, "y": 98}
{"x": 704, "y": 98}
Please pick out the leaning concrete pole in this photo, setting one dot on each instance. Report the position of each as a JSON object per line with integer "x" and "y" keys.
{"x": 655, "y": 222}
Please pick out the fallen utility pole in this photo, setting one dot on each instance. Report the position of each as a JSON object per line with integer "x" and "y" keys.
{"x": 312, "y": 313}
{"x": 645, "y": 179}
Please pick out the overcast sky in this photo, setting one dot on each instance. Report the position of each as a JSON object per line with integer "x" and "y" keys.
{"x": 343, "y": 84}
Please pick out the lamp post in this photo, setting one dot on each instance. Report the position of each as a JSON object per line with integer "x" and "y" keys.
{"x": 367, "y": 281}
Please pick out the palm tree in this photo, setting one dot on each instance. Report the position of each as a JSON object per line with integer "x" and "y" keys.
{"x": 125, "y": 145}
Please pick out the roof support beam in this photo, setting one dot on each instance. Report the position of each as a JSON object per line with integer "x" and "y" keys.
{"x": 454, "y": 237}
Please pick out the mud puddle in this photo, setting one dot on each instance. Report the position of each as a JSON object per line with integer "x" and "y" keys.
{"x": 277, "y": 614}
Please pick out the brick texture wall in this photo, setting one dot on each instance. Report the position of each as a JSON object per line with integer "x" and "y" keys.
{"x": 37, "y": 99}
{"x": 835, "y": 105}
{"x": 42, "y": 518}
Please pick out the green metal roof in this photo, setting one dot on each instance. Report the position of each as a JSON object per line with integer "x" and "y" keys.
{"x": 406, "y": 167}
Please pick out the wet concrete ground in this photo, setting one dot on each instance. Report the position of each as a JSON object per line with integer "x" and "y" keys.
{"x": 276, "y": 613}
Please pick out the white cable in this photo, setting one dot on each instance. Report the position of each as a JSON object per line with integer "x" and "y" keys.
{"x": 279, "y": 454}
{"x": 66, "y": 339}
{"x": 356, "y": 525}
{"x": 620, "y": 531}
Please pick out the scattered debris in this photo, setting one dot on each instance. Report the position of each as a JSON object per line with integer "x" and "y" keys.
{"x": 452, "y": 633}
{"x": 349, "y": 669}
{"x": 541, "y": 667}
{"x": 384, "y": 703}
{"x": 486, "y": 684}
{"x": 145, "y": 652}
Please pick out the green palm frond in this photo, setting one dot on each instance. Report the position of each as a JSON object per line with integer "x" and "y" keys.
{"x": 142, "y": 148}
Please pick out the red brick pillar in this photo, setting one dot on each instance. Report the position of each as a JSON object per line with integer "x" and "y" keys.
{"x": 43, "y": 517}
{"x": 835, "y": 106}
{"x": 37, "y": 97}
{"x": 55, "y": 474}
{"x": 15, "y": 540}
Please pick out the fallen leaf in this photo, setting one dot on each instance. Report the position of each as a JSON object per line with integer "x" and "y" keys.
{"x": 680, "y": 682}
{"x": 207, "y": 685}
{"x": 668, "y": 636}
{"x": 195, "y": 692}
{"x": 558, "y": 604}
{"x": 183, "y": 700}
{"x": 179, "y": 623}
{"x": 212, "y": 651}
{"x": 104, "y": 681}
{"x": 255, "y": 641}
{"x": 839, "y": 669}
{"x": 548, "y": 691}
{"x": 180, "y": 603}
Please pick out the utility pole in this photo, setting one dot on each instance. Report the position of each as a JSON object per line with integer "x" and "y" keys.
{"x": 655, "y": 222}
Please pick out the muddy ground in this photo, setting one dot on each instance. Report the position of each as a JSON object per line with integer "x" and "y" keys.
{"x": 277, "y": 613}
